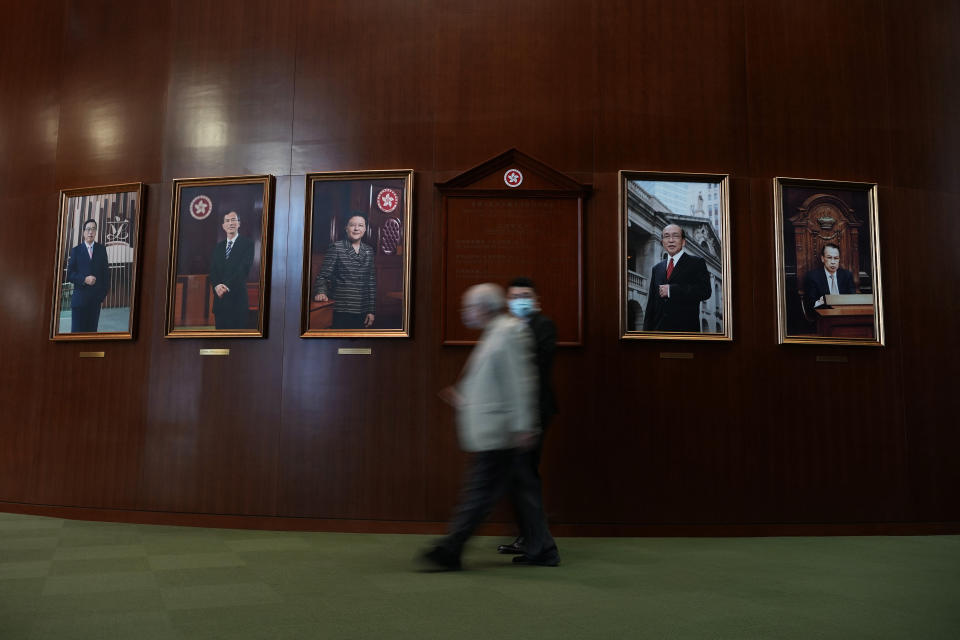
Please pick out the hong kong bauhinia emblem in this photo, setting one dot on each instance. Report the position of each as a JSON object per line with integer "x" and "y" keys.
{"x": 201, "y": 207}
{"x": 513, "y": 178}
{"x": 387, "y": 200}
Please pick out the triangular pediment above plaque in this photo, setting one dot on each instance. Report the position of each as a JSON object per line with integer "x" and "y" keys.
{"x": 514, "y": 171}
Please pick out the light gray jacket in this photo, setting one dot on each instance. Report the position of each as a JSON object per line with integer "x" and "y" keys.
{"x": 498, "y": 388}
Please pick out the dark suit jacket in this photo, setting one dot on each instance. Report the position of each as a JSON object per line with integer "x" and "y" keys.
{"x": 79, "y": 266}
{"x": 815, "y": 285}
{"x": 231, "y": 310}
{"x": 689, "y": 285}
{"x": 545, "y": 338}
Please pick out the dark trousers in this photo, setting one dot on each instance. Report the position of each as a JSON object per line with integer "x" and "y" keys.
{"x": 343, "y": 320}
{"x": 530, "y": 459}
{"x": 231, "y": 311}
{"x": 489, "y": 475}
{"x": 85, "y": 319}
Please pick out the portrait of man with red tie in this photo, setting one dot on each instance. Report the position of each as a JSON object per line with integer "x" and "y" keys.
{"x": 678, "y": 284}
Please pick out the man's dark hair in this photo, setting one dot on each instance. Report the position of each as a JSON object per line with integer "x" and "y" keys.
{"x": 522, "y": 282}
{"x": 824, "y": 248}
{"x": 88, "y": 221}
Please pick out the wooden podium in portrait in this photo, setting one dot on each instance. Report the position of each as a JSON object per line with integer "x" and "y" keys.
{"x": 514, "y": 216}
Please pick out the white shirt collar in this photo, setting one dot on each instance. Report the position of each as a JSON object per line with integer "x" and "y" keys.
{"x": 676, "y": 257}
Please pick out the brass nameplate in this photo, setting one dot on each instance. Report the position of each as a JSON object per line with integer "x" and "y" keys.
{"x": 214, "y": 352}
{"x": 666, "y": 355}
{"x": 831, "y": 358}
{"x": 92, "y": 354}
{"x": 355, "y": 352}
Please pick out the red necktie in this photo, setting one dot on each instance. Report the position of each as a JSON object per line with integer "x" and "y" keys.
{"x": 669, "y": 268}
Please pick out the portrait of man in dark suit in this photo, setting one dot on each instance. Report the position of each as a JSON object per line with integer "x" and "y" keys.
{"x": 230, "y": 264}
{"x": 831, "y": 279}
{"x": 678, "y": 284}
{"x": 89, "y": 271}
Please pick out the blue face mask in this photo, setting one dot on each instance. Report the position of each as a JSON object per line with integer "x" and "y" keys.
{"x": 521, "y": 307}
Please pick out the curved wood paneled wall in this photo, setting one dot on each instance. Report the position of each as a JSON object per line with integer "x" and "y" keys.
{"x": 747, "y": 433}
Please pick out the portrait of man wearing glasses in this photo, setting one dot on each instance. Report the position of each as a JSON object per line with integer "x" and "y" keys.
{"x": 229, "y": 266}
{"x": 678, "y": 284}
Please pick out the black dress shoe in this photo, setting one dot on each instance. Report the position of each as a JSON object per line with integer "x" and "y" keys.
{"x": 439, "y": 559}
{"x": 514, "y": 547}
{"x": 547, "y": 559}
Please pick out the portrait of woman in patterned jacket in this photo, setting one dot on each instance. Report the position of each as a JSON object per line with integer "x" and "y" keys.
{"x": 348, "y": 278}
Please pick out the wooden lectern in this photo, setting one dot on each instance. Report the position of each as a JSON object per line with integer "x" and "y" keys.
{"x": 846, "y": 316}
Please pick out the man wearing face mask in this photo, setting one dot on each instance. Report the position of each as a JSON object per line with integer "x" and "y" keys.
{"x": 524, "y": 304}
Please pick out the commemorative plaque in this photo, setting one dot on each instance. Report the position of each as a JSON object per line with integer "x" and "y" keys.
{"x": 514, "y": 216}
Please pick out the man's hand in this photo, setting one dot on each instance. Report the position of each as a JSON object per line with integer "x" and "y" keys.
{"x": 525, "y": 440}
{"x": 320, "y": 297}
{"x": 451, "y": 396}
{"x": 90, "y": 280}
{"x": 220, "y": 289}
{"x": 368, "y": 321}
{"x": 664, "y": 290}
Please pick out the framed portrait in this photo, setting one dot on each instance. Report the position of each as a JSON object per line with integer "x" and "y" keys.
{"x": 675, "y": 256}
{"x": 828, "y": 262}
{"x": 97, "y": 258}
{"x": 219, "y": 257}
{"x": 356, "y": 258}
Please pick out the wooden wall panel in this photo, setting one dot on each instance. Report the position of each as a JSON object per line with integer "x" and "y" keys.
{"x": 817, "y": 97}
{"x": 230, "y": 88}
{"x": 671, "y": 86}
{"x": 921, "y": 59}
{"x": 930, "y": 347}
{"x": 285, "y": 429}
{"x": 29, "y": 112}
{"x": 110, "y": 125}
{"x": 365, "y": 86}
{"x": 515, "y": 74}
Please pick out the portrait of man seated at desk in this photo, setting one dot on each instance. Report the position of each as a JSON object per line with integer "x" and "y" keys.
{"x": 830, "y": 280}
{"x": 830, "y": 270}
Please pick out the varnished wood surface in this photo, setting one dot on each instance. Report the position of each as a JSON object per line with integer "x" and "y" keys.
{"x": 743, "y": 434}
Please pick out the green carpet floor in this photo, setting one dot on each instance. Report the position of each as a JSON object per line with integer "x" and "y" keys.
{"x": 72, "y": 579}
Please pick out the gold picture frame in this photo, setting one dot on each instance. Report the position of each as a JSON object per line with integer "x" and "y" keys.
{"x": 200, "y": 225}
{"x": 95, "y": 291}
{"x": 694, "y": 302}
{"x": 356, "y": 282}
{"x": 827, "y": 228}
